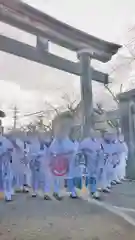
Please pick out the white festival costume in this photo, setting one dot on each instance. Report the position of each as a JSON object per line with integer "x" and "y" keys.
{"x": 110, "y": 161}
{"x": 6, "y": 150}
{"x": 92, "y": 148}
{"x": 121, "y": 167}
{"x": 34, "y": 149}
{"x": 19, "y": 166}
{"x": 26, "y": 162}
{"x": 62, "y": 161}
{"x": 44, "y": 173}
{"x": 62, "y": 156}
{"x": 39, "y": 165}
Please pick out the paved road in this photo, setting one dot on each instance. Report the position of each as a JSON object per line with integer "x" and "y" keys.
{"x": 33, "y": 219}
{"x": 122, "y": 198}
{"x": 123, "y": 195}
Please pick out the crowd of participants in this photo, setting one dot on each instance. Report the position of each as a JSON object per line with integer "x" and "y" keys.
{"x": 33, "y": 164}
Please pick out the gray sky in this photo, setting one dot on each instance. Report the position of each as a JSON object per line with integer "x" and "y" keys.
{"x": 31, "y": 84}
{"x": 106, "y": 19}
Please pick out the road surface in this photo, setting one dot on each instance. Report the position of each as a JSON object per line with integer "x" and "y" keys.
{"x": 31, "y": 219}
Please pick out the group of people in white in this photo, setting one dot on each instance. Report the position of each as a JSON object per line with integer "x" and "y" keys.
{"x": 31, "y": 164}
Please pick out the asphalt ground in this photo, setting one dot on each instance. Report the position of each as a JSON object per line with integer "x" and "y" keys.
{"x": 27, "y": 218}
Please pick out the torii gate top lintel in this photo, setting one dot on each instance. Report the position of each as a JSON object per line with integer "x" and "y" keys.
{"x": 27, "y": 18}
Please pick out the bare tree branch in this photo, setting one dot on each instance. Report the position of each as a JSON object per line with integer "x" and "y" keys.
{"x": 100, "y": 108}
{"x": 56, "y": 110}
{"x": 112, "y": 94}
{"x": 70, "y": 105}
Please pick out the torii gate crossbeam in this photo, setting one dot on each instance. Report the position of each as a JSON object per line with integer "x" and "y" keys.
{"x": 33, "y": 54}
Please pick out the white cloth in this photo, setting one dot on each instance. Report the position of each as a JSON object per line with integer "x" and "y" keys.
{"x": 67, "y": 149}
{"x": 93, "y": 151}
{"x": 110, "y": 158}
{"x": 6, "y": 148}
{"x": 123, "y": 154}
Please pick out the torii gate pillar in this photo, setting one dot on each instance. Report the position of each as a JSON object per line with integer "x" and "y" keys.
{"x": 127, "y": 114}
{"x": 86, "y": 90}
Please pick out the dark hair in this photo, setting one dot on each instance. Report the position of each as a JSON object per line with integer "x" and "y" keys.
{"x": 62, "y": 116}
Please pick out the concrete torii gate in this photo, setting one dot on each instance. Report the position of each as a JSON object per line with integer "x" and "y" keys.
{"x": 46, "y": 28}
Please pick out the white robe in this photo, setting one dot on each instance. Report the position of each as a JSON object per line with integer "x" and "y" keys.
{"x": 18, "y": 153}
{"x": 43, "y": 159}
{"x": 64, "y": 148}
{"x": 92, "y": 149}
{"x": 110, "y": 159}
{"x": 38, "y": 163}
{"x": 34, "y": 149}
{"x": 6, "y": 149}
{"x": 123, "y": 154}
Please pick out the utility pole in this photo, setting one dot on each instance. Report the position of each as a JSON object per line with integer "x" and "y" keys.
{"x": 15, "y": 117}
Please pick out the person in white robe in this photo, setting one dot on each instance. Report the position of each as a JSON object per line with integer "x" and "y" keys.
{"x": 44, "y": 172}
{"x": 34, "y": 158}
{"x": 91, "y": 148}
{"x": 100, "y": 152}
{"x": 6, "y": 150}
{"x": 123, "y": 159}
{"x": 122, "y": 154}
{"x": 116, "y": 160}
{"x": 62, "y": 153}
{"x": 110, "y": 156}
{"x": 27, "y": 172}
{"x": 19, "y": 164}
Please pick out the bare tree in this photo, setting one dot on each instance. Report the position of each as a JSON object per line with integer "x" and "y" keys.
{"x": 99, "y": 109}
{"x": 124, "y": 62}
{"x": 70, "y": 105}
{"x": 53, "y": 108}
{"x": 130, "y": 47}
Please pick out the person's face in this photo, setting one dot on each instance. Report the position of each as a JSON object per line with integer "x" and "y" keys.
{"x": 107, "y": 137}
{"x": 121, "y": 138}
{"x": 114, "y": 137}
{"x": 62, "y": 128}
{"x": 40, "y": 136}
{"x": 92, "y": 133}
{"x": 97, "y": 134}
